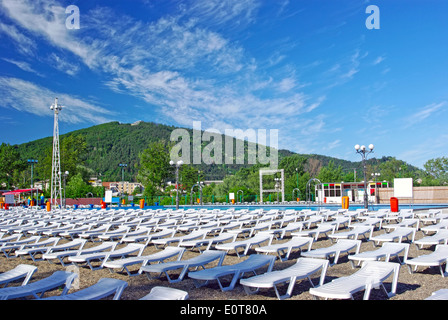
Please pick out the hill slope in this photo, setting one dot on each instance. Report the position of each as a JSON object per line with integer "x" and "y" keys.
{"x": 112, "y": 143}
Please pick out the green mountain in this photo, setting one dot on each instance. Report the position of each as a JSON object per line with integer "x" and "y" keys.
{"x": 113, "y": 143}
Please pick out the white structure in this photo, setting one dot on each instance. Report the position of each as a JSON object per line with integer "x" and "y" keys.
{"x": 56, "y": 187}
{"x": 281, "y": 188}
{"x": 333, "y": 192}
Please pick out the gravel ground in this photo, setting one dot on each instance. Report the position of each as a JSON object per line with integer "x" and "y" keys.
{"x": 415, "y": 286}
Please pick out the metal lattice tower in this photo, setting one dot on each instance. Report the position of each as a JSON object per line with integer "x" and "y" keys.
{"x": 56, "y": 186}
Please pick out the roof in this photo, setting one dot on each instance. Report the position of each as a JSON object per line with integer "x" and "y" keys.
{"x": 19, "y": 191}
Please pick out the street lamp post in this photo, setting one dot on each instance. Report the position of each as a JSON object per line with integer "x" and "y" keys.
{"x": 65, "y": 183}
{"x": 362, "y": 150}
{"x": 122, "y": 165}
{"x": 178, "y": 164}
{"x": 32, "y": 162}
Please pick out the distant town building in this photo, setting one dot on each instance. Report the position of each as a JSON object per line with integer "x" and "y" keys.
{"x": 122, "y": 187}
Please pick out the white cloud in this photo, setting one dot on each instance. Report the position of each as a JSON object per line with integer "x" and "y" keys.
{"x": 25, "y": 66}
{"x": 423, "y": 113}
{"x": 26, "y": 96}
{"x": 378, "y": 60}
{"x": 63, "y": 65}
{"x": 25, "y": 45}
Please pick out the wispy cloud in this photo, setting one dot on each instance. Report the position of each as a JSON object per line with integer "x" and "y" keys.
{"x": 25, "y": 45}
{"x": 63, "y": 65}
{"x": 25, "y": 66}
{"x": 378, "y": 60}
{"x": 424, "y": 113}
{"x": 26, "y": 96}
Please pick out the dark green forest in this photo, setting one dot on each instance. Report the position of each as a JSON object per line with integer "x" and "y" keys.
{"x": 109, "y": 144}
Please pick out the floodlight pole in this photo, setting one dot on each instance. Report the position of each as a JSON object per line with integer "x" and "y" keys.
{"x": 364, "y": 152}
{"x": 32, "y": 161}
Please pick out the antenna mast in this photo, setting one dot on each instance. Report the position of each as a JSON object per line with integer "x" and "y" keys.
{"x": 56, "y": 187}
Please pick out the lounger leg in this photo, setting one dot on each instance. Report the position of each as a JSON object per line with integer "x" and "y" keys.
{"x": 250, "y": 291}
{"x": 288, "y": 291}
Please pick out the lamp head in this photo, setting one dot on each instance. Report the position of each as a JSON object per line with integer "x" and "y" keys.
{"x": 357, "y": 147}
{"x": 363, "y": 147}
{"x": 371, "y": 146}
{"x": 171, "y": 162}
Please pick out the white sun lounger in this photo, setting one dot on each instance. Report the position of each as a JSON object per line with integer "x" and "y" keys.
{"x": 73, "y": 233}
{"x": 92, "y": 234}
{"x": 245, "y": 244}
{"x": 11, "y": 238}
{"x": 61, "y": 255}
{"x": 159, "y": 257}
{"x": 342, "y": 246}
{"x": 149, "y": 236}
{"x": 8, "y": 247}
{"x": 37, "y": 248}
{"x": 184, "y": 266}
{"x": 56, "y": 231}
{"x": 38, "y": 288}
{"x": 375, "y": 222}
{"x": 115, "y": 235}
{"x": 22, "y": 271}
{"x": 77, "y": 243}
{"x": 354, "y": 233}
{"x": 106, "y": 255}
{"x": 316, "y": 232}
{"x": 314, "y": 219}
{"x": 303, "y": 268}
{"x": 140, "y": 231}
{"x": 408, "y": 223}
{"x": 441, "y": 237}
{"x": 441, "y": 294}
{"x": 165, "y": 293}
{"x": 283, "y": 250}
{"x": 387, "y": 251}
{"x": 429, "y": 228}
{"x": 434, "y": 259}
{"x": 105, "y": 287}
{"x": 208, "y": 242}
{"x": 290, "y": 227}
{"x": 371, "y": 275}
{"x": 197, "y": 234}
{"x": 235, "y": 271}
{"x": 398, "y": 234}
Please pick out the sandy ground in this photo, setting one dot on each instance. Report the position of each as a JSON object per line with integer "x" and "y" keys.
{"x": 415, "y": 286}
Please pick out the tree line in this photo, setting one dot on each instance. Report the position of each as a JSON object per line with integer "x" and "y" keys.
{"x": 157, "y": 176}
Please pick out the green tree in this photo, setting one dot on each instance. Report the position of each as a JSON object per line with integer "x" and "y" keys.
{"x": 394, "y": 168}
{"x": 436, "y": 171}
{"x": 330, "y": 173}
{"x": 155, "y": 168}
{"x": 10, "y": 165}
{"x": 77, "y": 187}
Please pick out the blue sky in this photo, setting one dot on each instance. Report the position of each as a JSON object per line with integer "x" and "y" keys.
{"x": 310, "y": 69}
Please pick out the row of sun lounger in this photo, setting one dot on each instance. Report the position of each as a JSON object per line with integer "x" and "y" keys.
{"x": 256, "y": 229}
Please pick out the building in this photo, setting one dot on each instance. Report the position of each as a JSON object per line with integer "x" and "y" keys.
{"x": 121, "y": 187}
{"x": 333, "y": 192}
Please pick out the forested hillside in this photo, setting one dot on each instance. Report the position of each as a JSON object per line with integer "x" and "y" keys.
{"x": 109, "y": 144}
